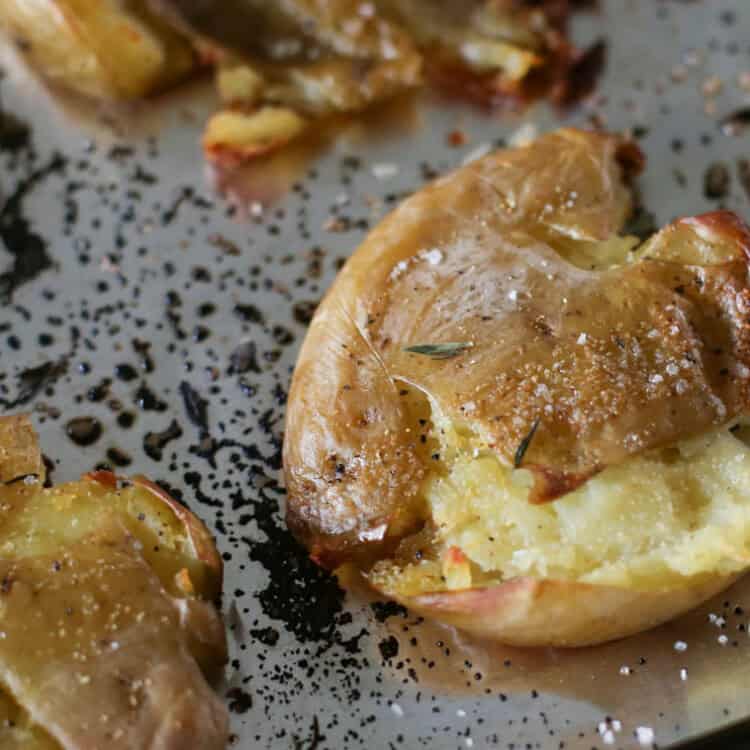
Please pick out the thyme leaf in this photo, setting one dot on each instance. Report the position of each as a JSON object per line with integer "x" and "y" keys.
{"x": 523, "y": 446}
{"x": 438, "y": 351}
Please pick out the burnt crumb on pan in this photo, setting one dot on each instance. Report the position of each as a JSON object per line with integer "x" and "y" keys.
{"x": 388, "y": 648}
{"x": 118, "y": 458}
{"x": 716, "y": 181}
{"x": 147, "y": 400}
{"x": 267, "y": 636}
{"x": 240, "y": 701}
{"x": 84, "y": 430}
{"x": 743, "y": 174}
{"x": 303, "y": 311}
{"x": 27, "y": 247}
{"x": 244, "y": 359}
{"x": 155, "y": 442}
{"x": 736, "y": 123}
{"x": 196, "y": 407}
{"x": 384, "y": 610}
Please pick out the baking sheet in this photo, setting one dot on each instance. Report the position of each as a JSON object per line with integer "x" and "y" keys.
{"x": 142, "y": 284}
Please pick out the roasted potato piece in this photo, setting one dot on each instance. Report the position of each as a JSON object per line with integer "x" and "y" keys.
{"x": 107, "y": 49}
{"x": 495, "y": 345}
{"x": 317, "y": 56}
{"x": 106, "y": 614}
{"x": 232, "y": 137}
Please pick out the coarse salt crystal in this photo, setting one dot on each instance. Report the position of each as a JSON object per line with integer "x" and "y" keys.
{"x": 655, "y": 379}
{"x": 609, "y": 737}
{"x": 616, "y": 725}
{"x": 625, "y": 670}
{"x": 512, "y": 295}
{"x": 672, "y": 369}
{"x": 645, "y": 736}
{"x": 461, "y": 713}
{"x": 434, "y": 257}
{"x": 397, "y": 709}
{"x": 469, "y": 742}
{"x": 384, "y": 170}
{"x": 723, "y": 640}
{"x": 581, "y": 340}
{"x": 680, "y": 646}
{"x": 683, "y": 674}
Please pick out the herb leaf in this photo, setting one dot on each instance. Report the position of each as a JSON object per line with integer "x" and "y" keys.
{"x": 439, "y": 351}
{"x": 523, "y": 446}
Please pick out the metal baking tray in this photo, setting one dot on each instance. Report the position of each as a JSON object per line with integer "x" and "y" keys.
{"x": 132, "y": 292}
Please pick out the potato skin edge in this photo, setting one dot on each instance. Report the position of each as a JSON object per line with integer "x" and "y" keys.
{"x": 523, "y": 611}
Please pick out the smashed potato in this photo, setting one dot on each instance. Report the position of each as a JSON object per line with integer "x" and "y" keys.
{"x": 107, "y": 49}
{"x": 108, "y": 628}
{"x": 514, "y": 419}
{"x": 326, "y": 57}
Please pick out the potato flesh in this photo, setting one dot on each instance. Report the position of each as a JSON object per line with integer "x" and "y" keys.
{"x": 107, "y": 49}
{"x": 653, "y": 523}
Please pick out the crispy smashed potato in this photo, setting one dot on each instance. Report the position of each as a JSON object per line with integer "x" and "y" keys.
{"x": 308, "y": 58}
{"x": 110, "y": 49}
{"x": 108, "y": 627}
{"x": 324, "y": 57}
{"x": 516, "y": 420}
{"x": 232, "y": 137}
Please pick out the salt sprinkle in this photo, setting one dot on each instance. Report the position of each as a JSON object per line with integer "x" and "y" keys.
{"x": 461, "y": 713}
{"x": 609, "y": 737}
{"x": 645, "y": 736}
{"x": 469, "y": 742}
{"x": 723, "y": 640}
{"x": 672, "y": 369}
{"x": 512, "y": 295}
{"x": 683, "y": 674}
{"x": 397, "y": 709}
{"x": 581, "y": 340}
{"x": 655, "y": 379}
{"x": 616, "y": 725}
{"x": 384, "y": 170}
{"x": 680, "y": 646}
{"x": 433, "y": 257}
{"x": 625, "y": 670}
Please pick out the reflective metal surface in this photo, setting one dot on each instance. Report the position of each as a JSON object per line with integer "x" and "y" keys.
{"x": 145, "y": 261}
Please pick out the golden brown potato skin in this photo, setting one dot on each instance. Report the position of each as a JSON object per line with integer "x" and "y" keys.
{"x": 106, "y": 49}
{"x": 470, "y": 259}
{"x": 528, "y": 612}
{"x": 107, "y": 613}
{"x": 482, "y": 258}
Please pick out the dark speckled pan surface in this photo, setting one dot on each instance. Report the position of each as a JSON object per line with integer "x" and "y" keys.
{"x": 152, "y": 325}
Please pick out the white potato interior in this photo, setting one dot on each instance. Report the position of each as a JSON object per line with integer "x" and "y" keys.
{"x": 649, "y": 524}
